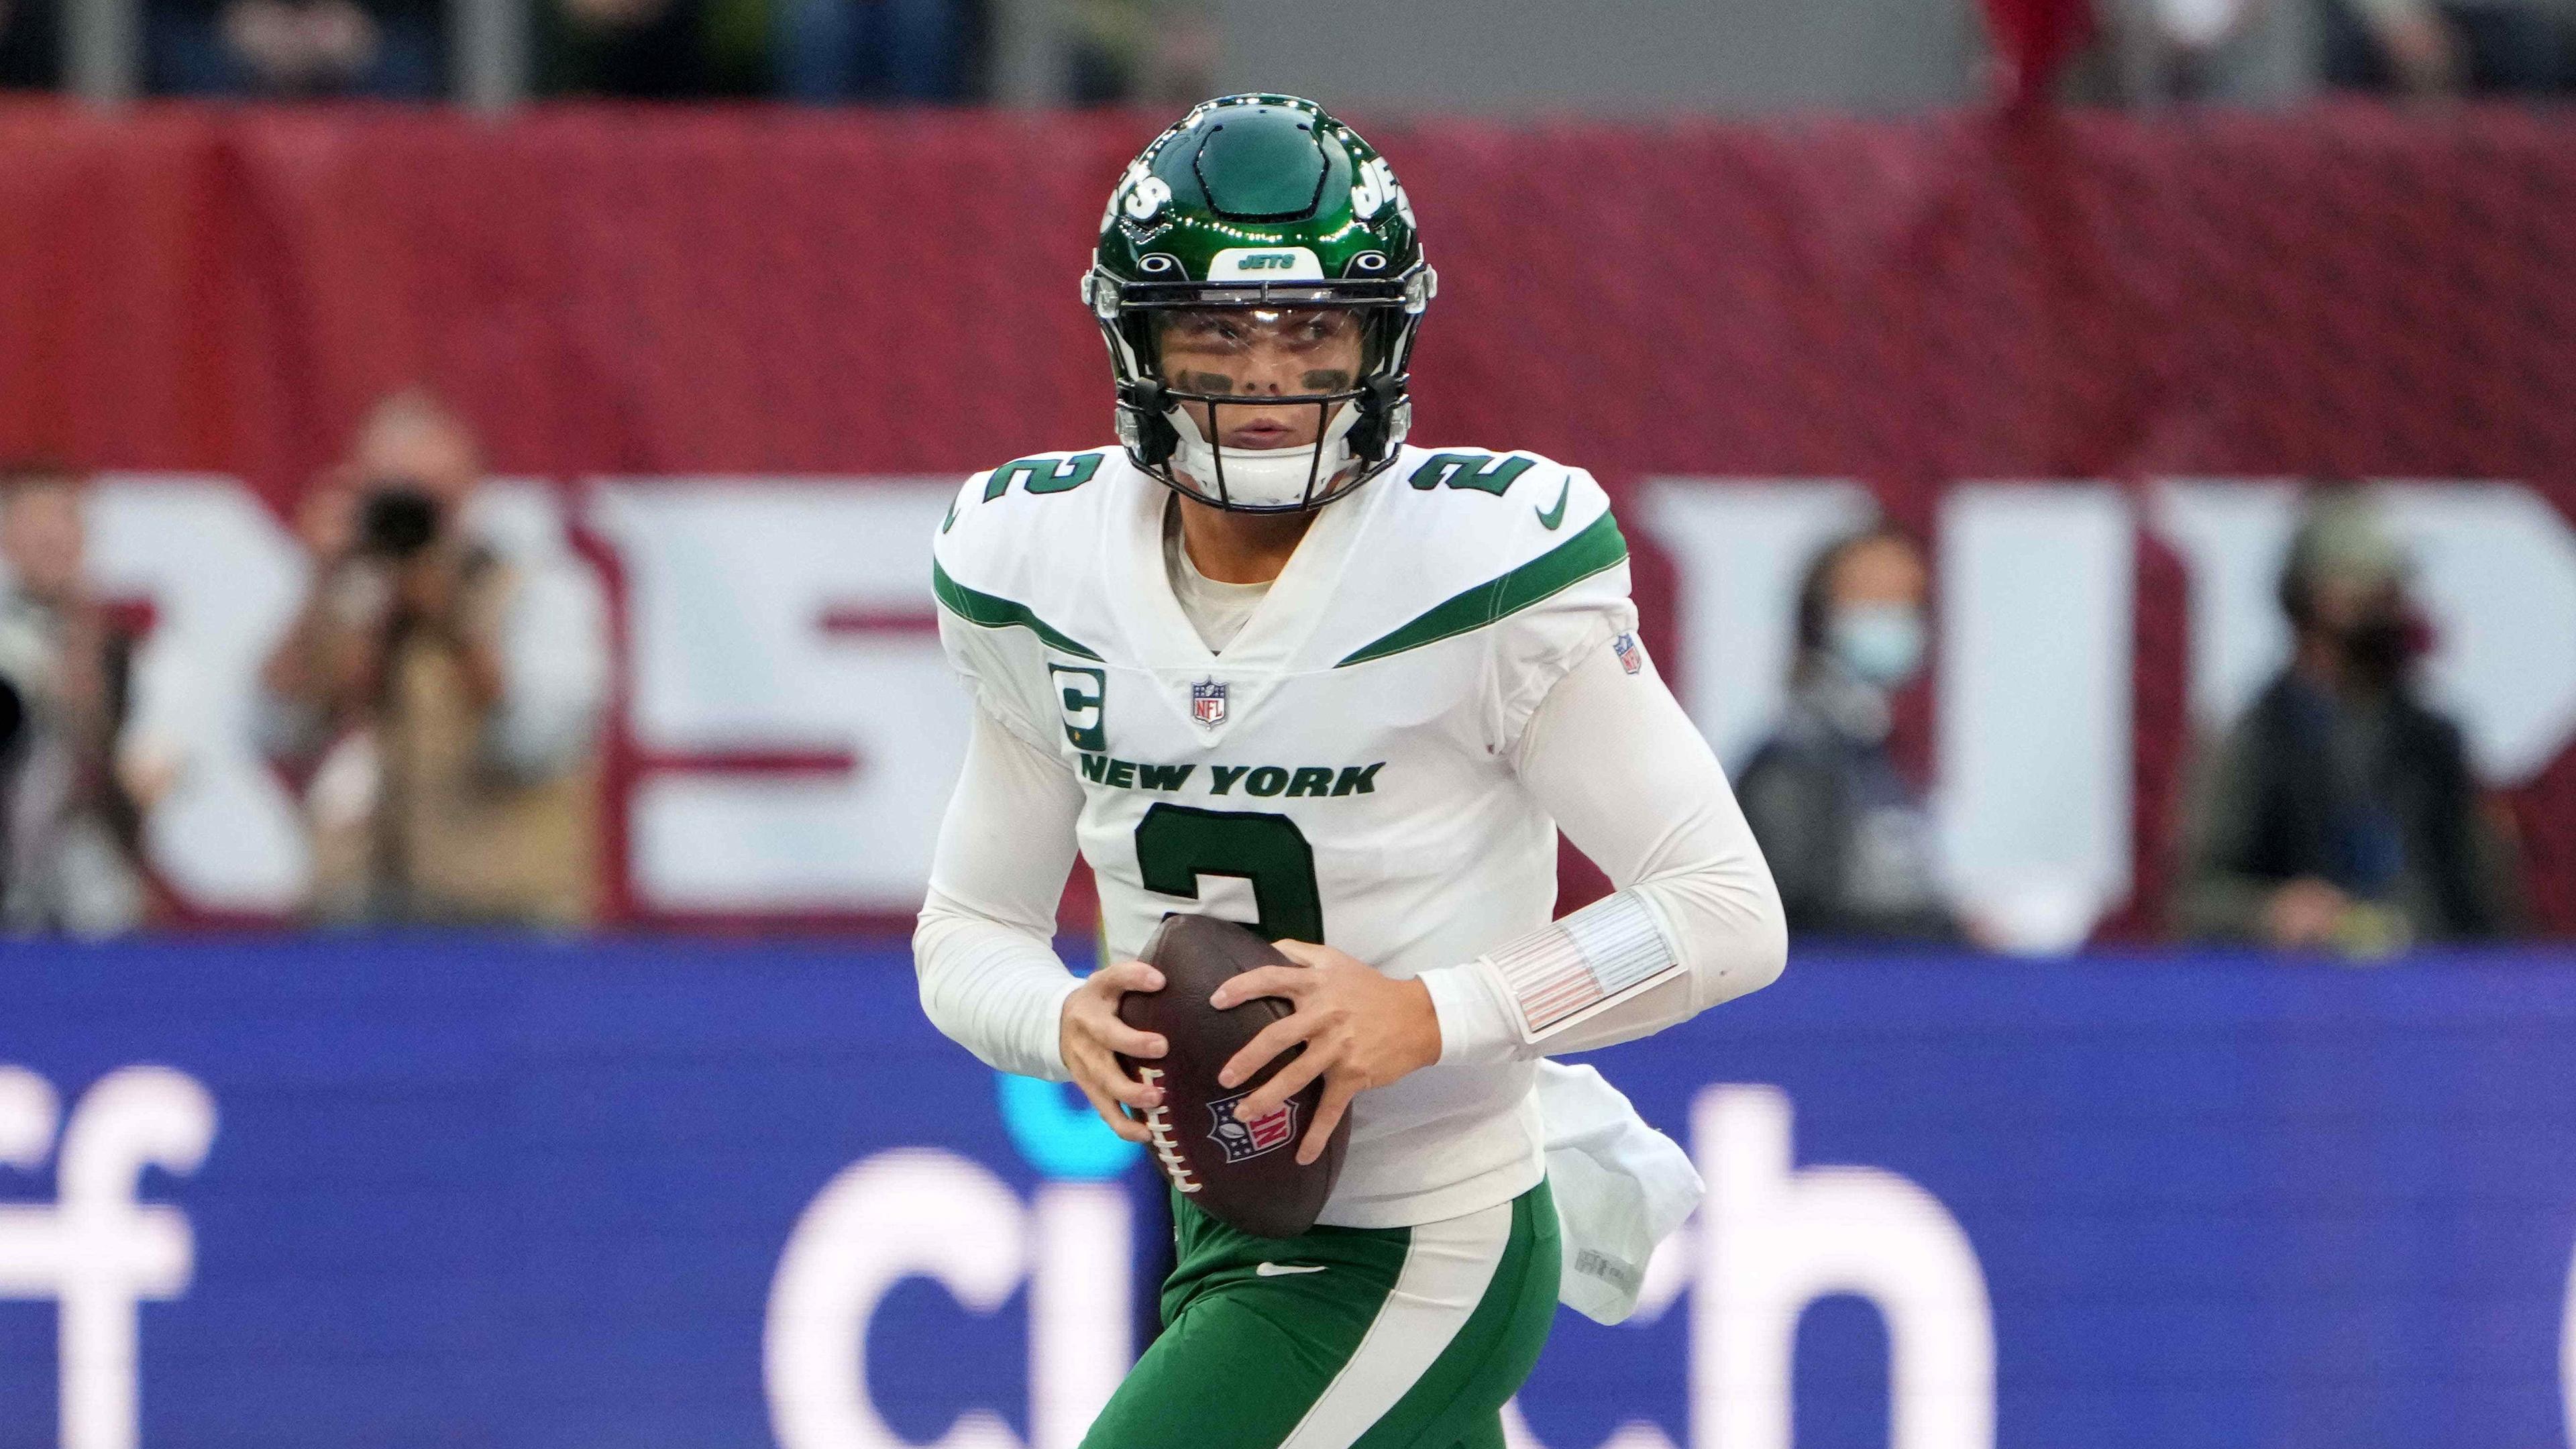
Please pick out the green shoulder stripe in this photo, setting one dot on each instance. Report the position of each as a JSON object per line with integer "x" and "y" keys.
{"x": 1596, "y": 548}
{"x": 994, "y": 612}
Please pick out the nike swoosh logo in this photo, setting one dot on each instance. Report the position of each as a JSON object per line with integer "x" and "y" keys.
{"x": 1282, "y": 1270}
{"x": 1556, "y": 515}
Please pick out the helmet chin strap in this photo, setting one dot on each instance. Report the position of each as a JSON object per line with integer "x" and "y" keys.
{"x": 1265, "y": 477}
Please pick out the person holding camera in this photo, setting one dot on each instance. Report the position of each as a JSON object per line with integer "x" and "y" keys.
{"x": 444, "y": 688}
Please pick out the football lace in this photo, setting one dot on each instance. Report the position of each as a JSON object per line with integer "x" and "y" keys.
{"x": 1158, "y": 1125}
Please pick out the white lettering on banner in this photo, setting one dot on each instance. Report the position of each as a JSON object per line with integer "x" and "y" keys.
{"x": 2567, "y": 1355}
{"x": 1744, "y": 544}
{"x": 2231, "y": 535}
{"x": 28, "y": 1113}
{"x": 791, "y": 621}
{"x": 1775, "y": 1238}
{"x": 2495, "y": 569}
{"x": 1081, "y": 1318}
{"x": 1635, "y": 1434}
{"x": 1771, "y": 1239}
{"x": 97, "y": 1252}
{"x": 921, "y": 1212}
{"x": 2034, "y": 726}
{"x": 223, "y": 579}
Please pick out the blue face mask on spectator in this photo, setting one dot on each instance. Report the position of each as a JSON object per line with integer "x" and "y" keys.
{"x": 1882, "y": 643}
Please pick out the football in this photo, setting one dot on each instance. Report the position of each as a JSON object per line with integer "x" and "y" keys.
{"x": 1243, "y": 1173}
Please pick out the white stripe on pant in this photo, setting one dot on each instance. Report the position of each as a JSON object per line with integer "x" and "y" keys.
{"x": 1447, "y": 1267}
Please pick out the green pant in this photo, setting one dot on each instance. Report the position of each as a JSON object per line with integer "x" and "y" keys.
{"x": 1346, "y": 1338}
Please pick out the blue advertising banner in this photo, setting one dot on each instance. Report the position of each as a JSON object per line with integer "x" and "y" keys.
{"x": 526, "y": 1195}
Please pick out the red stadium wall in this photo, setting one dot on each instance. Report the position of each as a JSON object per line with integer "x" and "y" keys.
{"x": 2348, "y": 293}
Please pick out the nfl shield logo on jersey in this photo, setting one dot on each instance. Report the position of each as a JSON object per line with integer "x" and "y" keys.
{"x": 1242, "y": 1139}
{"x": 1207, "y": 702}
{"x": 1631, "y": 658}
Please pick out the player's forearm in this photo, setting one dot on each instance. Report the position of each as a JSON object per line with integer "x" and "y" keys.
{"x": 1725, "y": 937}
{"x": 1627, "y": 966}
{"x": 1697, "y": 919}
{"x": 994, "y": 989}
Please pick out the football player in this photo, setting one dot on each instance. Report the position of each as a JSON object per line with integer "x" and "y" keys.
{"x": 1265, "y": 659}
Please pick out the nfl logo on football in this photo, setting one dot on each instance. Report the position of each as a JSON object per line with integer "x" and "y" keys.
{"x": 1241, "y": 1139}
{"x": 1207, "y": 702}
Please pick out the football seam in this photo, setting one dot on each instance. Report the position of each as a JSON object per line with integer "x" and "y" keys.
{"x": 1158, "y": 1126}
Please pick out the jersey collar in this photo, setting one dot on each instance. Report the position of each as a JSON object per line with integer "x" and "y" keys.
{"x": 1271, "y": 639}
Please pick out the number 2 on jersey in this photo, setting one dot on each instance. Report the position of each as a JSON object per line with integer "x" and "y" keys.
{"x": 1176, "y": 844}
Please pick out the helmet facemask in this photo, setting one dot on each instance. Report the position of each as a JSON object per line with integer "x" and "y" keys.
{"x": 1180, "y": 430}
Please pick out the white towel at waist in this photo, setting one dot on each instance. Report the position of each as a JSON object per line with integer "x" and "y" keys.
{"x": 1620, "y": 1187}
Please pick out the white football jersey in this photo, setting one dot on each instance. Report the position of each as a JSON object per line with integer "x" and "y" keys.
{"x": 1341, "y": 771}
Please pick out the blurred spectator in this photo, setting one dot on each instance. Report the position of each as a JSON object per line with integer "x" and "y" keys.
{"x": 1847, "y": 838}
{"x": 446, "y": 686}
{"x": 1142, "y": 52}
{"x": 67, "y": 834}
{"x": 2339, "y": 811}
{"x": 870, "y": 50}
{"x": 2445, "y": 47}
{"x": 30, "y": 45}
{"x": 291, "y": 48}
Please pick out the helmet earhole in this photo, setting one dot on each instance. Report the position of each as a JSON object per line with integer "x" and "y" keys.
{"x": 1144, "y": 422}
{"x": 1384, "y": 417}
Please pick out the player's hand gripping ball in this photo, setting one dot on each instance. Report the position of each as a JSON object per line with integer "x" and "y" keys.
{"x": 1244, "y": 1173}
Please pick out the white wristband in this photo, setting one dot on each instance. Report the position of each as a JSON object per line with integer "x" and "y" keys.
{"x": 1566, "y": 970}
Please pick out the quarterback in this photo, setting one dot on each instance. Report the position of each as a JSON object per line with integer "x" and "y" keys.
{"x": 1266, "y": 659}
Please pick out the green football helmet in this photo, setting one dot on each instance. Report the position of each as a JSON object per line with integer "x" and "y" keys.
{"x": 1260, "y": 202}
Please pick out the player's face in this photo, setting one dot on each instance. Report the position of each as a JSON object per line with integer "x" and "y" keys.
{"x": 1254, "y": 353}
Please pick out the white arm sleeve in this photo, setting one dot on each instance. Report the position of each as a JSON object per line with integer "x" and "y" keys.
{"x": 554, "y": 670}
{"x": 990, "y": 978}
{"x": 1696, "y": 919}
